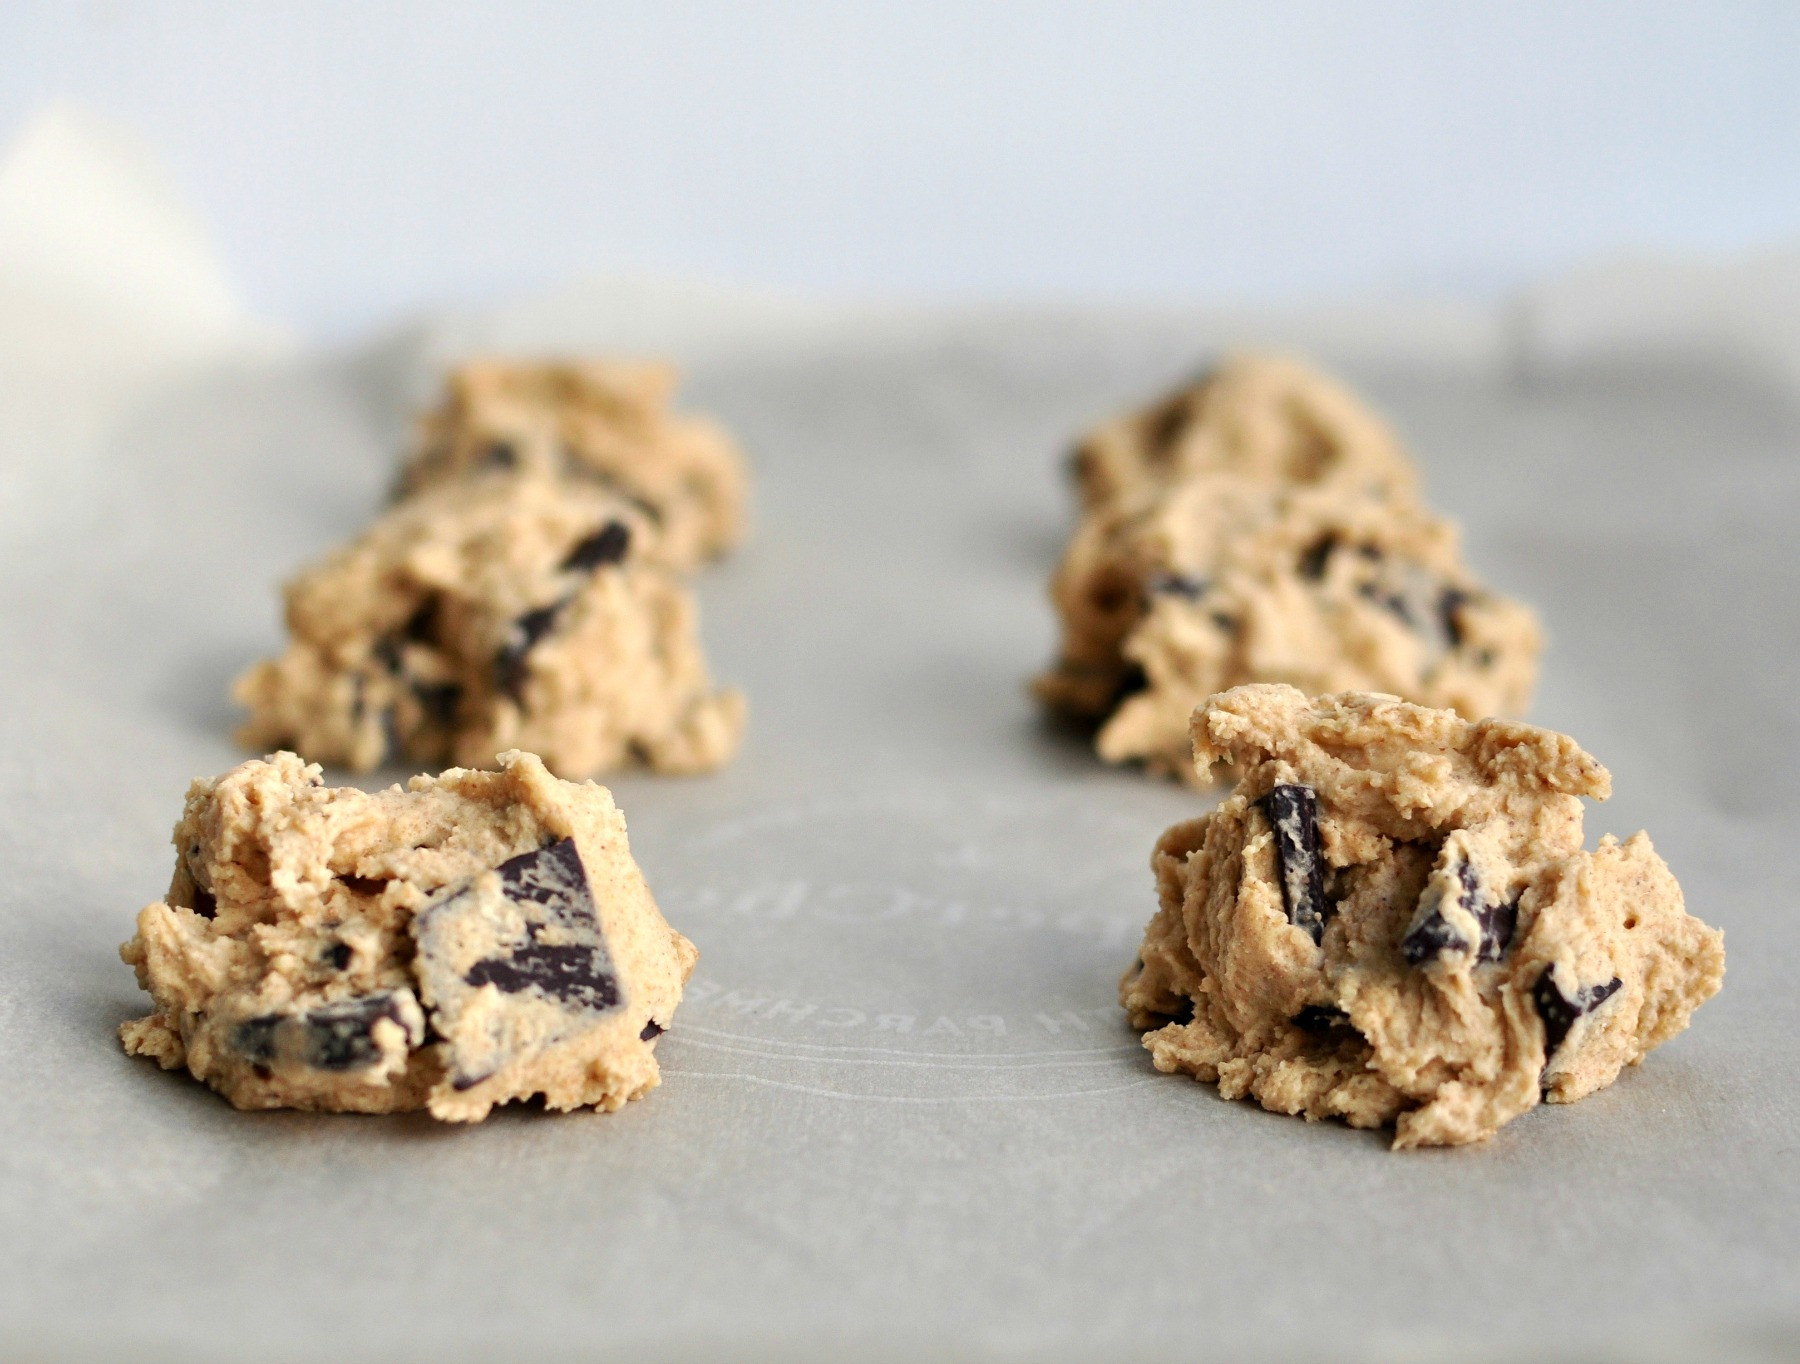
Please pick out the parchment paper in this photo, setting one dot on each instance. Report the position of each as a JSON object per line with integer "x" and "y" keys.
{"x": 902, "y": 1117}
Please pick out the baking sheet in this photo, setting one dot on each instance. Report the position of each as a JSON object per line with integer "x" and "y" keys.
{"x": 901, "y": 1115}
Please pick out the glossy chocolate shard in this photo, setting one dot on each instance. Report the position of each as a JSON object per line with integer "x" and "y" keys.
{"x": 1293, "y": 813}
{"x": 1432, "y": 933}
{"x": 1559, "y": 1012}
{"x": 331, "y": 1037}
{"x": 652, "y": 1029}
{"x": 522, "y": 638}
{"x": 608, "y": 545}
{"x": 576, "y": 970}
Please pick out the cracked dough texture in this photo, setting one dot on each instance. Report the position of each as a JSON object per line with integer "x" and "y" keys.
{"x": 1391, "y": 919}
{"x": 608, "y": 423}
{"x": 495, "y": 612}
{"x": 1263, "y": 526}
{"x": 475, "y": 938}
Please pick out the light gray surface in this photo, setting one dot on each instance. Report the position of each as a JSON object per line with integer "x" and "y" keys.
{"x": 901, "y": 837}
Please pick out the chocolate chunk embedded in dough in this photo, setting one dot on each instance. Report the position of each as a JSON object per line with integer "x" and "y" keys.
{"x": 1293, "y": 813}
{"x": 515, "y": 961}
{"x": 1560, "y": 1012}
{"x": 336, "y": 1037}
{"x": 1432, "y": 931}
{"x": 524, "y": 636}
{"x": 608, "y": 545}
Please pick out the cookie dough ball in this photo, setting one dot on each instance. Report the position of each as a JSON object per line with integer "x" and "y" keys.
{"x": 475, "y": 938}
{"x": 1266, "y": 419}
{"x": 491, "y": 613}
{"x": 601, "y": 422}
{"x": 1391, "y": 919}
{"x": 1249, "y": 562}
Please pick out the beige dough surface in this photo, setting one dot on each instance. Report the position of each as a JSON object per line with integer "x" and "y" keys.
{"x": 475, "y": 938}
{"x": 1277, "y": 537}
{"x": 1391, "y": 919}
{"x": 608, "y": 423}
{"x": 493, "y": 612}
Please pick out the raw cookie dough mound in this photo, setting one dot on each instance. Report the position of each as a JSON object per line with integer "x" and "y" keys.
{"x": 490, "y": 613}
{"x": 1325, "y": 594}
{"x": 476, "y": 938}
{"x": 1391, "y": 919}
{"x": 1263, "y": 418}
{"x": 1278, "y": 538}
{"x": 607, "y": 423}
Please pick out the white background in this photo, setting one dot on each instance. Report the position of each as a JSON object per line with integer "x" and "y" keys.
{"x": 357, "y": 161}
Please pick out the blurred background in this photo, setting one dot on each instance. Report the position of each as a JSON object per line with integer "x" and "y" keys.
{"x": 355, "y": 162}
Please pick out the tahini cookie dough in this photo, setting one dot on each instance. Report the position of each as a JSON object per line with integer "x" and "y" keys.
{"x": 1391, "y": 919}
{"x": 493, "y": 612}
{"x": 475, "y": 938}
{"x": 1277, "y": 537}
{"x": 608, "y": 423}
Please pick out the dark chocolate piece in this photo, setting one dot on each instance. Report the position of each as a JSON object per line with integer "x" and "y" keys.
{"x": 1314, "y": 558}
{"x": 340, "y": 955}
{"x": 1559, "y": 1012}
{"x": 1293, "y": 813}
{"x": 365, "y": 885}
{"x": 206, "y": 905}
{"x": 547, "y": 947}
{"x": 651, "y": 1029}
{"x": 526, "y": 631}
{"x": 1132, "y": 681}
{"x": 578, "y": 969}
{"x": 339, "y": 1036}
{"x": 1450, "y": 607}
{"x": 422, "y": 625}
{"x": 607, "y": 545}
{"x": 1431, "y": 933}
{"x": 439, "y": 701}
{"x": 1176, "y": 585}
{"x": 1321, "y": 1018}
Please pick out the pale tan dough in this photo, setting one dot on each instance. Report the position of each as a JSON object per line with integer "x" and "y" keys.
{"x": 475, "y": 938}
{"x": 495, "y": 612}
{"x": 1462, "y": 926}
{"x": 1267, "y": 419}
{"x": 1269, "y": 553}
{"x": 605, "y": 422}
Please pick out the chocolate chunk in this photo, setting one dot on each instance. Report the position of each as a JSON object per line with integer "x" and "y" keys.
{"x": 605, "y": 546}
{"x": 1321, "y": 1018}
{"x": 1167, "y": 423}
{"x": 1132, "y": 681}
{"x": 1431, "y": 933}
{"x": 1314, "y": 558}
{"x": 651, "y": 1029}
{"x": 387, "y": 653}
{"x": 1559, "y": 1012}
{"x": 422, "y": 625}
{"x": 340, "y": 955}
{"x": 537, "y": 943}
{"x": 1450, "y": 607}
{"x": 499, "y": 455}
{"x": 526, "y": 631}
{"x": 1176, "y": 585}
{"x": 206, "y": 905}
{"x": 365, "y": 885}
{"x": 1293, "y": 813}
{"x": 338, "y": 1036}
{"x": 439, "y": 701}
